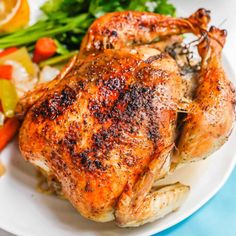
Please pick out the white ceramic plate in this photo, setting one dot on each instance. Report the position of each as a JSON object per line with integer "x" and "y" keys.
{"x": 24, "y": 211}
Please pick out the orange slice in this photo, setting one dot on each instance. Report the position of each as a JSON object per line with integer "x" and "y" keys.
{"x": 14, "y": 14}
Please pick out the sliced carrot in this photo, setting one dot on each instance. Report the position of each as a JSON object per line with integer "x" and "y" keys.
{"x": 8, "y": 131}
{"x": 6, "y": 72}
{"x": 8, "y": 51}
{"x": 44, "y": 48}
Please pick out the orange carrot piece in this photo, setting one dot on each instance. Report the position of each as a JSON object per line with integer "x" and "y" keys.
{"x": 44, "y": 48}
{"x": 6, "y": 72}
{"x": 8, "y": 131}
{"x": 8, "y": 51}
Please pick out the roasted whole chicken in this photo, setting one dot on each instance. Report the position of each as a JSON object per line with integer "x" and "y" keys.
{"x": 117, "y": 118}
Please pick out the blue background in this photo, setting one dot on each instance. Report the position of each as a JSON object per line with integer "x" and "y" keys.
{"x": 216, "y": 218}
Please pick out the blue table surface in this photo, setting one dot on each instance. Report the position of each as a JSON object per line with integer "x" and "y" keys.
{"x": 216, "y": 218}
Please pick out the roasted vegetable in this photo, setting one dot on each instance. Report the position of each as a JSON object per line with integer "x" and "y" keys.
{"x": 8, "y": 131}
{"x": 22, "y": 56}
{"x": 8, "y": 51}
{"x": 44, "y": 49}
{"x": 8, "y": 97}
{"x": 6, "y": 71}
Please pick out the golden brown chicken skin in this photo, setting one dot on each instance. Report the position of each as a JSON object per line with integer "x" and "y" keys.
{"x": 102, "y": 125}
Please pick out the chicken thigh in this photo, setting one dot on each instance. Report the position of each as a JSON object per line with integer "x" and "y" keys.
{"x": 106, "y": 127}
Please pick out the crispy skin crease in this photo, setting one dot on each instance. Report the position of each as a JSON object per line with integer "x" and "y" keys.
{"x": 123, "y": 29}
{"x": 102, "y": 125}
{"x": 212, "y": 113}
